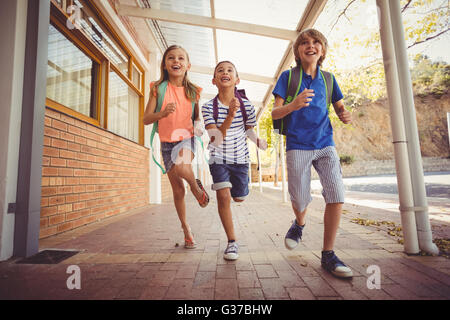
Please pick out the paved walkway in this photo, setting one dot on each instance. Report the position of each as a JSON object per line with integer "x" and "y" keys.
{"x": 140, "y": 255}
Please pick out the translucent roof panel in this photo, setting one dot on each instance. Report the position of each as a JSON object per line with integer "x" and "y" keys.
{"x": 197, "y": 41}
{"x": 198, "y": 7}
{"x": 273, "y": 13}
{"x": 251, "y": 53}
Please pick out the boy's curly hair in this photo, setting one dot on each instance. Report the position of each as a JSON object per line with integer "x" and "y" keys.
{"x": 315, "y": 34}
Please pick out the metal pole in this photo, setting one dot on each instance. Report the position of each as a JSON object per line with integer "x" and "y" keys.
{"x": 408, "y": 219}
{"x": 259, "y": 162}
{"x": 409, "y": 113}
{"x": 27, "y": 219}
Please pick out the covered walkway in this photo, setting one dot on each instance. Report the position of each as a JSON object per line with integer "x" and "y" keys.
{"x": 139, "y": 255}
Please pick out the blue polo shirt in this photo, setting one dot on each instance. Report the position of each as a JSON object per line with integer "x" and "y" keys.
{"x": 309, "y": 128}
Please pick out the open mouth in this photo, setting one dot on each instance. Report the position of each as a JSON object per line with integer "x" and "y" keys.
{"x": 176, "y": 67}
{"x": 225, "y": 78}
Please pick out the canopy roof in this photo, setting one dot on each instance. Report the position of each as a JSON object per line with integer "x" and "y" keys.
{"x": 256, "y": 35}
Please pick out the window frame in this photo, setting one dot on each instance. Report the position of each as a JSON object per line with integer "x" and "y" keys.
{"x": 58, "y": 19}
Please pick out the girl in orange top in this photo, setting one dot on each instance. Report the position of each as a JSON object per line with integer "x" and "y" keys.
{"x": 176, "y": 130}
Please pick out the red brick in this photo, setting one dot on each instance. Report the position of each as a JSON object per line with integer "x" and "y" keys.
{"x": 64, "y": 190}
{"x": 50, "y": 132}
{"x": 67, "y": 154}
{"x": 67, "y": 136}
{"x": 51, "y": 152}
{"x": 49, "y": 211}
{"x": 67, "y": 119}
{"x": 57, "y": 162}
{"x": 73, "y": 146}
{"x": 52, "y": 114}
{"x": 56, "y": 219}
{"x": 71, "y": 181}
{"x": 65, "y": 226}
{"x": 56, "y": 200}
{"x": 48, "y": 191}
{"x": 59, "y": 125}
{"x": 57, "y": 143}
{"x": 47, "y": 141}
{"x": 56, "y": 181}
{"x": 49, "y": 171}
{"x": 65, "y": 172}
{"x": 72, "y": 198}
{"x": 74, "y": 130}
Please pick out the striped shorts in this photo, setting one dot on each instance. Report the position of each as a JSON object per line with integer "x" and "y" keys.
{"x": 326, "y": 162}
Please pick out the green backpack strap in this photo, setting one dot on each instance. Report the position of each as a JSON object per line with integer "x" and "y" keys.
{"x": 328, "y": 80}
{"x": 161, "y": 92}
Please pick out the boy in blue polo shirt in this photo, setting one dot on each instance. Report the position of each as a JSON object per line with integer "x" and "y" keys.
{"x": 309, "y": 142}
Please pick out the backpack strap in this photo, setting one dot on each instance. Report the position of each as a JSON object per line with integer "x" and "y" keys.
{"x": 294, "y": 83}
{"x": 328, "y": 80}
{"x": 161, "y": 91}
{"x": 238, "y": 94}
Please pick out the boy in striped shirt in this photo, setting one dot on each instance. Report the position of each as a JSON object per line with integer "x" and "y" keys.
{"x": 229, "y": 154}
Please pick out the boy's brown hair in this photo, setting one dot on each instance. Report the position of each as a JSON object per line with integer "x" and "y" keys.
{"x": 315, "y": 34}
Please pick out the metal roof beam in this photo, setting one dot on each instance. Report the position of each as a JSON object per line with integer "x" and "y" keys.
{"x": 242, "y": 75}
{"x": 208, "y": 22}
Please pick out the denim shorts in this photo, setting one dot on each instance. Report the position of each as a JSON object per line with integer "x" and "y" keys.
{"x": 233, "y": 176}
{"x": 170, "y": 151}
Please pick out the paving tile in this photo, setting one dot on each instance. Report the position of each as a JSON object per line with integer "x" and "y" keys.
{"x": 226, "y": 289}
{"x": 134, "y": 257}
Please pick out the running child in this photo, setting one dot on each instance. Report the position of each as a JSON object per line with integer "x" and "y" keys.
{"x": 176, "y": 130}
{"x": 309, "y": 142}
{"x": 229, "y": 124}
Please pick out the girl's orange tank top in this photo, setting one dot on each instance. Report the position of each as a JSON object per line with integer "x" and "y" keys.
{"x": 178, "y": 125}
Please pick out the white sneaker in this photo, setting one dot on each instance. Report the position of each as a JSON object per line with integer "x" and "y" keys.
{"x": 231, "y": 252}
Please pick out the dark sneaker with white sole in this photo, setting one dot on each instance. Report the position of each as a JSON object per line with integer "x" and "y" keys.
{"x": 334, "y": 265}
{"x": 293, "y": 236}
{"x": 231, "y": 252}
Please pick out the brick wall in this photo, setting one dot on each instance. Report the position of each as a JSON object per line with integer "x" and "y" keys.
{"x": 88, "y": 174}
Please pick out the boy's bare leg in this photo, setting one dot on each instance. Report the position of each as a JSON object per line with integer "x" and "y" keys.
{"x": 300, "y": 216}
{"x": 224, "y": 206}
{"x": 331, "y": 224}
{"x": 178, "y": 197}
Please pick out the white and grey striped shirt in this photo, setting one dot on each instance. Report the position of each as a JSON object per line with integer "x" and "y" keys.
{"x": 234, "y": 147}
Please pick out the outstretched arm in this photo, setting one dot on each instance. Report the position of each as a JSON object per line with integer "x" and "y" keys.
{"x": 251, "y": 134}
{"x": 344, "y": 115}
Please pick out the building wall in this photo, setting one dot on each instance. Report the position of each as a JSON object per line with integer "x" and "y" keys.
{"x": 88, "y": 174}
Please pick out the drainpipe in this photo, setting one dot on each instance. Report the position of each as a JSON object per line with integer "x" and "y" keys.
{"x": 409, "y": 113}
{"x": 411, "y": 244}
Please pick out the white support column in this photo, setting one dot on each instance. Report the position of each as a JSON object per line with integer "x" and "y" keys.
{"x": 259, "y": 162}
{"x": 409, "y": 113}
{"x": 408, "y": 220}
{"x": 155, "y": 172}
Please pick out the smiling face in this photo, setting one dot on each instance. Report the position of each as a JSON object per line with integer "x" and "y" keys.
{"x": 310, "y": 47}
{"x": 176, "y": 62}
{"x": 225, "y": 75}
{"x": 310, "y": 51}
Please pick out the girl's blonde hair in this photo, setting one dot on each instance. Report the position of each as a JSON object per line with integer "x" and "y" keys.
{"x": 315, "y": 34}
{"x": 190, "y": 89}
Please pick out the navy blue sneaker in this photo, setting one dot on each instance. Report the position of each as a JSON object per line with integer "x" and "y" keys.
{"x": 332, "y": 264}
{"x": 293, "y": 236}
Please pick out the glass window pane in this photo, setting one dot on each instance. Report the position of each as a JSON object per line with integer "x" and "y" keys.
{"x": 71, "y": 75}
{"x": 137, "y": 77}
{"x": 123, "y": 109}
{"x": 98, "y": 33}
